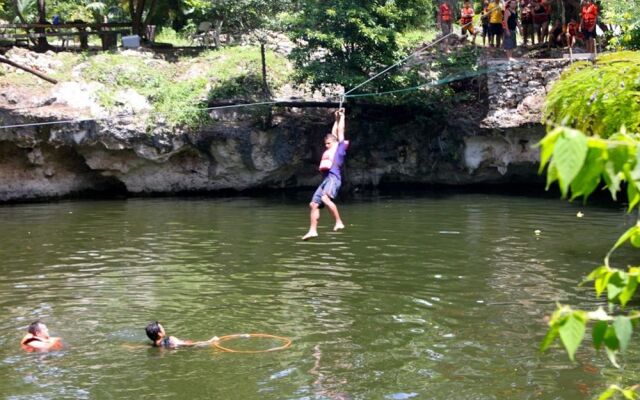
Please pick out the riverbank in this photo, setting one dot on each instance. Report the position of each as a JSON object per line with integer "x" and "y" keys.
{"x": 126, "y": 146}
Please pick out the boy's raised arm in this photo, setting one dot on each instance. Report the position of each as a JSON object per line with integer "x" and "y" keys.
{"x": 338, "y": 126}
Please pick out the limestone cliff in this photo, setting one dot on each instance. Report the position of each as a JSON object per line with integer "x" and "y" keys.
{"x": 239, "y": 149}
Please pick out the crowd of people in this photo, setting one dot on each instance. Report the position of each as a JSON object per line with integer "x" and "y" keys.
{"x": 532, "y": 19}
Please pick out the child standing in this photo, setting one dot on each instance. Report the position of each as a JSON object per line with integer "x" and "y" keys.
{"x": 466, "y": 20}
{"x": 332, "y": 160}
{"x": 589, "y": 17}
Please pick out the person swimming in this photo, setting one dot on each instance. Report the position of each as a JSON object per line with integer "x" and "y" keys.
{"x": 38, "y": 339}
{"x": 155, "y": 331}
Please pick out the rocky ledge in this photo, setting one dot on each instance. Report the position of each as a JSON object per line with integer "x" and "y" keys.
{"x": 242, "y": 149}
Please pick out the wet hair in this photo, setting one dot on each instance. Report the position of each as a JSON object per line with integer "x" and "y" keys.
{"x": 153, "y": 330}
{"x": 35, "y": 327}
{"x": 330, "y": 136}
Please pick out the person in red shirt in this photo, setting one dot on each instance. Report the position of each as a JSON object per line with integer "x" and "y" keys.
{"x": 573, "y": 33}
{"x": 466, "y": 20}
{"x": 588, "y": 19}
{"x": 38, "y": 339}
{"x": 445, "y": 20}
{"x": 526, "y": 21}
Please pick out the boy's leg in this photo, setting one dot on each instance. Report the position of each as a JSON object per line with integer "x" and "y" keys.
{"x": 333, "y": 209}
{"x": 314, "y": 216}
{"x": 314, "y": 213}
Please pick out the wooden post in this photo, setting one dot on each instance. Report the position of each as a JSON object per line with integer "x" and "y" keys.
{"x": 29, "y": 70}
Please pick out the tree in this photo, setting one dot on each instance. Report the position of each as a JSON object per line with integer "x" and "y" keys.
{"x": 343, "y": 41}
{"x": 579, "y": 163}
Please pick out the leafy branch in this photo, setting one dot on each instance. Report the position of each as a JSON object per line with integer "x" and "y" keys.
{"x": 580, "y": 164}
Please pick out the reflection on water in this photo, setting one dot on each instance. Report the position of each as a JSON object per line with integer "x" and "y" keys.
{"x": 434, "y": 298}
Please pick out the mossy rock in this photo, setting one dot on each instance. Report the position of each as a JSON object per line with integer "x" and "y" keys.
{"x": 600, "y": 99}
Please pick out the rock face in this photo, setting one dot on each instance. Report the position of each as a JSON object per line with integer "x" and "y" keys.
{"x": 240, "y": 150}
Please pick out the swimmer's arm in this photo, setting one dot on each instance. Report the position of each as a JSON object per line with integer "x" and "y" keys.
{"x": 46, "y": 344}
{"x": 194, "y": 344}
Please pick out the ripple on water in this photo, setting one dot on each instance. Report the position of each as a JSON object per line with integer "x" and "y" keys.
{"x": 418, "y": 298}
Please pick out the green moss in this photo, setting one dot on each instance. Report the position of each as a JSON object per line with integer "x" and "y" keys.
{"x": 599, "y": 99}
{"x": 178, "y": 96}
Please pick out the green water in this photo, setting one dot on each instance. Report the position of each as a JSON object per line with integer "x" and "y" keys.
{"x": 437, "y": 297}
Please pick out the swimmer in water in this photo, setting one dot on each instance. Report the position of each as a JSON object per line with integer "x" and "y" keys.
{"x": 155, "y": 332}
{"x": 38, "y": 339}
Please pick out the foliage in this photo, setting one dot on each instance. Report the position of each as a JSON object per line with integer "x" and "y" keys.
{"x": 623, "y": 14}
{"x": 232, "y": 73}
{"x": 238, "y": 15}
{"x": 345, "y": 41}
{"x": 169, "y": 35}
{"x": 598, "y": 100}
{"x": 579, "y": 163}
{"x": 238, "y": 73}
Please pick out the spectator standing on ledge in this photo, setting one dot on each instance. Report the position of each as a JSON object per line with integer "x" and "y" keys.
{"x": 466, "y": 20}
{"x": 496, "y": 13}
{"x": 445, "y": 19}
{"x": 589, "y": 17}
{"x": 526, "y": 18}
{"x": 484, "y": 19}
{"x": 511, "y": 23}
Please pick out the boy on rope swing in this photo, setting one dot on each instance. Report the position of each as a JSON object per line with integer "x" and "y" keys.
{"x": 330, "y": 164}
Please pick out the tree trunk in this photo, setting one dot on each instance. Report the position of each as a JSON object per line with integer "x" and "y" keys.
{"x": 265, "y": 86}
{"x": 216, "y": 32}
{"x": 42, "y": 45}
{"x": 137, "y": 21}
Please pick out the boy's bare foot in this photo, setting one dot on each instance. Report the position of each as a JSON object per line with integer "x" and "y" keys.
{"x": 310, "y": 235}
{"x": 338, "y": 226}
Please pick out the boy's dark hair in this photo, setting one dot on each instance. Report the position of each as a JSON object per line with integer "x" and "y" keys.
{"x": 153, "y": 330}
{"x": 35, "y": 327}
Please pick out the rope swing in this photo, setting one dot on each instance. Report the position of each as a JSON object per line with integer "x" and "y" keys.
{"x": 286, "y": 342}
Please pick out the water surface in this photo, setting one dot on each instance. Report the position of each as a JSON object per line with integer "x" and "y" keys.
{"x": 434, "y": 297}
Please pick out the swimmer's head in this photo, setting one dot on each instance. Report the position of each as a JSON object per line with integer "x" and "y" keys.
{"x": 155, "y": 331}
{"x": 329, "y": 139}
{"x": 38, "y": 328}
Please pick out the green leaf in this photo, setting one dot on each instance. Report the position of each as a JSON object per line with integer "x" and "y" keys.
{"x": 611, "y": 340}
{"x": 611, "y": 391}
{"x": 552, "y": 333}
{"x": 589, "y": 177}
{"x": 569, "y": 155}
{"x": 546, "y": 147}
{"x": 612, "y": 179}
{"x": 624, "y": 329}
{"x": 572, "y": 332}
{"x": 611, "y": 354}
{"x": 629, "y": 394}
{"x": 633, "y": 196}
{"x": 552, "y": 174}
{"x": 628, "y": 291}
{"x": 625, "y": 236}
{"x": 616, "y": 285}
{"x": 598, "y": 332}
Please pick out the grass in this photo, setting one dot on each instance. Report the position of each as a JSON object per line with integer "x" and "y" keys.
{"x": 177, "y": 96}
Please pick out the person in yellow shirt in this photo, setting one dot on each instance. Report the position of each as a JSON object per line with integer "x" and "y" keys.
{"x": 496, "y": 13}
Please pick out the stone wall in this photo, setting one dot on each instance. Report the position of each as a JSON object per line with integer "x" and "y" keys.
{"x": 238, "y": 150}
{"x": 517, "y": 89}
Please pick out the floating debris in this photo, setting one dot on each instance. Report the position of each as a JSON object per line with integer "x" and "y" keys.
{"x": 579, "y": 214}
